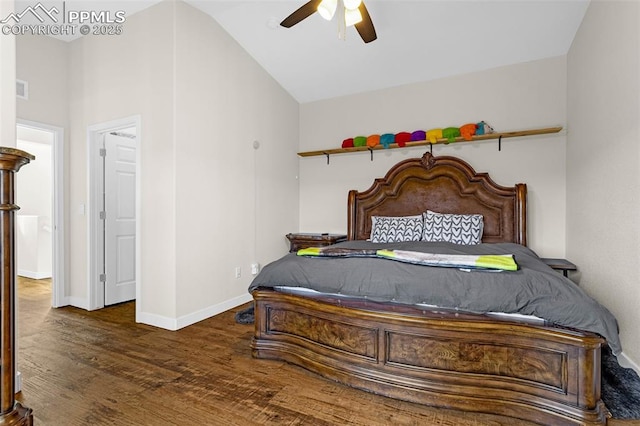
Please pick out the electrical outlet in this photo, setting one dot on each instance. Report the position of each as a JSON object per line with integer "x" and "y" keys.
{"x": 238, "y": 272}
{"x": 255, "y": 268}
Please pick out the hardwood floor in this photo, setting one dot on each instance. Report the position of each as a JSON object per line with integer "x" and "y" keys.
{"x": 101, "y": 368}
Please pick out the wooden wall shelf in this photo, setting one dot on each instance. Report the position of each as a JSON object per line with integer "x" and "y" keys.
{"x": 500, "y": 136}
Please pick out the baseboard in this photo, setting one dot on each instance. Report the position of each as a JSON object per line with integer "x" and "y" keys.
{"x": 17, "y": 388}
{"x": 174, "y": 324}
{"x": 62, "y": 303}
{"x": 213, "y": 310}
{"x": 157, "y": 321}
{"x": 627, "y": 362}
{"x": 34, "y": 275}
{"x": 78, "y": 302}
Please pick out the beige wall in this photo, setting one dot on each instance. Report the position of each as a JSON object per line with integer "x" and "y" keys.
{"x": 112, "y": 77}
{"x": 98, "y": 79}
{"x": 234, "y": 204}
{"x": 202, "y": 103}
{"x": 603, "y": 161}
{"x": 43, "y": 63}
{"x": 516, "y": 97}
{"x": 7, "y": 82}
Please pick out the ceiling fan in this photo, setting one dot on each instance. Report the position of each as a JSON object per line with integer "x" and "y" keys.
{"x": 350, "y": 12}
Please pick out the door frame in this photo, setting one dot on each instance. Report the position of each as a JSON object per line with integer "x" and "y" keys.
{"x": 58, "y": 269}
{"x": 95, "y": 288}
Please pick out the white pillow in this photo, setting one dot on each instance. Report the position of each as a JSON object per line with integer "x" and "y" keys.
{"x": 463, "y": 229}
{"x": 391, "y": 229}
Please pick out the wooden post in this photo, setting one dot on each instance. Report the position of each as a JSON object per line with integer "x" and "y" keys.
{"x": 11, "y": 412}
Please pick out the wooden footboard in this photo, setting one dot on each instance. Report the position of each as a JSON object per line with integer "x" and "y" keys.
{"x": 542, "y": 374}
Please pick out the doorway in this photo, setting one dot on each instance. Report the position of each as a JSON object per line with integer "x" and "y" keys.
{"x": 40, "y": 222}
{"x": 114, "y": 150}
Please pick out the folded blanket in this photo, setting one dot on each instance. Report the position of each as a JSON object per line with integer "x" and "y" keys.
{"x": 498, "y": 262}
{"x": 502, "y": 262}
{"x": 332, "y": 251}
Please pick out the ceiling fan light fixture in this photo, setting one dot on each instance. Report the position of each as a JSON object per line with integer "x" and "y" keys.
{"x": 351, "y": 4}
{"x": 352, "y": 17}
{"x": 327, "y": 8}
{"x": 346, "y": 17}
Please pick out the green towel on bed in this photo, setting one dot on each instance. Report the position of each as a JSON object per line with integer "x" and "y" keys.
{"x": 503, "y": 262}
{"x": 497, "y": 262}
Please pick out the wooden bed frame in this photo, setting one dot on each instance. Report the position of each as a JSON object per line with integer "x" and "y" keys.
{"x": 545, "y": 374}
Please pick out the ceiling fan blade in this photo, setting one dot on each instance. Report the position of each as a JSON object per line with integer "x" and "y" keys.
{"x": 365, "y": 27}
{"x": 303, "y": 12}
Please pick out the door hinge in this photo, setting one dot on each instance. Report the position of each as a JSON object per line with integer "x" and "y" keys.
{"x": 103, "y": 278}
{"x": 103, "y": 152}
{"x": 103, "y": 215}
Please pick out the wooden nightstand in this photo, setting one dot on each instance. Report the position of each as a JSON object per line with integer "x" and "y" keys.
{"x": 560, "y": 265}
{"x": 304, "y": 240}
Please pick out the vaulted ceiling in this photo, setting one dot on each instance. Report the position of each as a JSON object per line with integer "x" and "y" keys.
{"x": 418, "y": 40}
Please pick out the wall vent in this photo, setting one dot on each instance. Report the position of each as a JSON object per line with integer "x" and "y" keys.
{"x": 22, "y": 89}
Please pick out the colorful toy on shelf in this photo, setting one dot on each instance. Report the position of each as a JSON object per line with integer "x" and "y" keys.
{"x": 450, "y": 134}
{"x": 402, "y": 138}
{"x": 387, "y": 139}
{"x": 418, "y": 135}
{"x": 360, "y": 141}
{"x": 433, "y": 135}
{"x": 483, "y": 128}
{"x": 373, "y": 140}
{"x": 468, "y": 130}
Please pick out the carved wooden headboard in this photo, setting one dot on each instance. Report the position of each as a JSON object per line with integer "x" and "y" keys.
{"x": 445, "y": 185}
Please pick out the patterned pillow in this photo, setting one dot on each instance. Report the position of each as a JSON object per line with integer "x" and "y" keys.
{"x": 454, "y": 228}
{"x": 390, "y": 229}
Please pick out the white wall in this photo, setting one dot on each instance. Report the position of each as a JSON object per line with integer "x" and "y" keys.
{"x": 113, "y": 77}
{"x": 234, "y": 204}
{"x": 33, "y": 220}
{"x": 33, "y": 246}
{"x": 603, "y": 161}
{"x": 43, "y": 62}
{"x": 101, "y": 78}
{"x": 7, "y": 82}
{"x": 37, "y": 175}
{"x": 206, "y": 193}
{"x": 516, "y": 97}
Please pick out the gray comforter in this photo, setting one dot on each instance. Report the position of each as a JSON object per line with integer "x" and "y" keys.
{"x": 535, "y": 289}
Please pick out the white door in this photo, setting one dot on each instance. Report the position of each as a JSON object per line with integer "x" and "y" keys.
{"x": 119, "y": 217}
